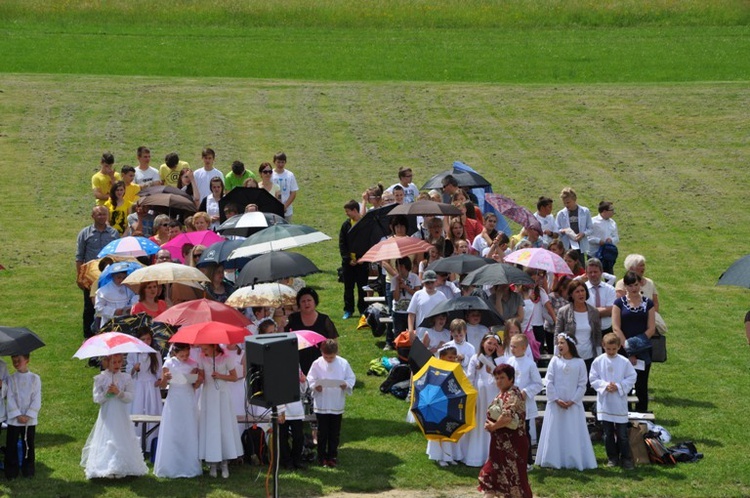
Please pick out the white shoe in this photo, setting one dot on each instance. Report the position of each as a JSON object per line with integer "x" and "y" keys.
{"x": 452, "y": 462}
{"x": 225, "y": 469}
{"x": 442, "y": 463}
{"x": 212, "y": 470}
{"x": 529, "y": 467}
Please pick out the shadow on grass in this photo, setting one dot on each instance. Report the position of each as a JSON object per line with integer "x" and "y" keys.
{"x": 683, "y": 402}
{"x": 641, "y": 473}
{"x": 54, "y": 439}
{"x": 358, "y": 429}
{"x": 360, "y": 471}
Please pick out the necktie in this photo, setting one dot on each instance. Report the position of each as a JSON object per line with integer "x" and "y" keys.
{"x": 596, "y": 294}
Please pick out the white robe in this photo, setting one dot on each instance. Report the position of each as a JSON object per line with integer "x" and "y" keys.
{"x": 475, "y": 445}
{"x": 564, "y": 442}
{"x": 612, "y": 406}
{"x": 218, "y": 431}
{"x": 331, "y": 399}
{"x": 527, "y": 380}
{"x": 146, "y": 396}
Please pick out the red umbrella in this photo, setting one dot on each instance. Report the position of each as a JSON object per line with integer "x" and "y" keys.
{"x": 202, "y": 237}
{"x": 202, "y": 310}
{"x": 210, "y": 333}
{"x": 509, "y": 208}
{"x": 394, "y": 248}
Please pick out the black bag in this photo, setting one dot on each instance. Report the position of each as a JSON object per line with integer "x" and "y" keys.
{"x": 685, "y": 452}
{"x": 372, "y": 315}
{"x": 254, "y": 446}
{"x": 398, "y": 373}
{"x": 659, "y": 348}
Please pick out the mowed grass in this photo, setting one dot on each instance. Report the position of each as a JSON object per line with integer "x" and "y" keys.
{"x": 673, "y": 158}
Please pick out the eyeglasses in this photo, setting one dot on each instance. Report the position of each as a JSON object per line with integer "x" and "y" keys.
{"x": 164, "y": 225}
{"x": 197, "y": 254}
{"x": 267, "y": 171}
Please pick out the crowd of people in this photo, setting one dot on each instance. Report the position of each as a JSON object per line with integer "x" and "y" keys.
{"x": 575, "y": 318}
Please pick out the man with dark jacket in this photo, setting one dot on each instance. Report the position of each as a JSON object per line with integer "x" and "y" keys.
{"x": 354, "y": 272}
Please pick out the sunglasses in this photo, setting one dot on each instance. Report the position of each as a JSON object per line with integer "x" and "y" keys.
{"x": 267, "y": 171}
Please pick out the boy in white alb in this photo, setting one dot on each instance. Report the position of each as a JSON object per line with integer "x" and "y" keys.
{"x": 528, "y": 381}
{"x": 613, "y": 377}
{"x": 464, "y": 349}
{"x": 24, "y": 403}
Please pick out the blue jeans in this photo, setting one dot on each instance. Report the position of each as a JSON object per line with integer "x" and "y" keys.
{"x": 616, "y": 441}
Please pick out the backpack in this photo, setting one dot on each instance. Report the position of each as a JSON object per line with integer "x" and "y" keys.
{"x": 685, "y": 452}
{"x": 657, "y": 452}
{"x": 373, "y": 313}
{"x": 399, "y": 373}
{"x": 255, "y": 446}
{"x": 607, "y": 254}
{"x": 402, "y": 342}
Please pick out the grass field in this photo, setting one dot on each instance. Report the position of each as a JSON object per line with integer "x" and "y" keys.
{"x": 672, "y": 156}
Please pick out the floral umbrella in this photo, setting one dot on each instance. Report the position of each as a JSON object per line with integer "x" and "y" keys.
{"x": 540, "y": 259}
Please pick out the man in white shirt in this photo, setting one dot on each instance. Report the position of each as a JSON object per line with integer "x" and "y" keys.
{"x": 601, "y": 295}
{"x": 404, "y": 179}
{"x": 423, "y": 301}
{"x": 544, "y": 215}
{"x": 205, "y": 174}
{"x": 604, "y": 231}
{"x": 145, "y": 175}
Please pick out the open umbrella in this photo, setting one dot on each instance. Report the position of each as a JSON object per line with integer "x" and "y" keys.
{"x": 394, "y": 248}
{"x": 129, "y": 246}
{"x": 466, "y": 179}
{"x": 509, "y": 208}
{"x": 443, "y": 401}
{"x": 462, "y": 263}
{"x": 173, "y": 205}
{"x": 738, "y": 274}
{"x": 426, "y": 208}
{"x": 210, "y": 332}
{"x": 110, "y": 343}
{"x": 274, "y": 266}
{"x": 90, "y": 272}
{"x": 18, "y": 340}
{"x": 540, "y": 259}
{"x": 368, "y": 231}
{"x": 458, "y": 306}
{"x": 163, "y": 189}
{"x": 127, "y": 267}
{"x": 278, "y": 238}
{"x": 162, "y": 332}
{"x": 202, "y": 310}
{"x": 242, "y": 196}
{"x": 166, "y": 273}
{"x": 272, "y": 295}
{"x": 202, "y": 237}
{"x": 497, "y": 274}
{"x": 246, "y": 224}
{"x": 308, "y": 338}
{"x": 128, "y": 324}
{"x": 218, "y": 254}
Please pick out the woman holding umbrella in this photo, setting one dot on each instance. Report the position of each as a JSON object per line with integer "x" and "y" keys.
{"x": 504, "y": 473}
{"x": 308, "y": 318}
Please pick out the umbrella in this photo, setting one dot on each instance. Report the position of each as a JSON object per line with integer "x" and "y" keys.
{"x": 462, "y": 263}
{"x": 394, "y": 248}
{"x": 272, "y": 295}
{"x": 18, "y": 340}
{"x": 162, "y": 332}
{"x": 166, "y": 273}
{"x": 509, "y": 208}
{"x": 130, "y": 246}
{"x": 218, "y": 254}
{"x": 247, "y": 224}
{"x": 242, "y": 196}
{"x": 464, "y": 178}
{"x": 170, "y": 204}
{"x": 541, "y": 259}
{"x": 443, "y": 401}
{"x": 210, "y": 333}
{"x": 164, "y": 189}
{"x": 90, "y": 271}
{"x": 369, "y": 230}
{"x": 458, "y": 306}
{"x": 275, "y": 266}
{"x": 278, "y": 238}
{"x": 202, "y": 310}
{"x": 128, "y": 324}
{"x": 128, "y": 267}
{"x": 738, "y": 274}
{"x": 426, "y": 208}
{"x": 497, "y": 274}
{"x": 202, "y": 237}
{"x": 110, "y": 343}
{"x": 308, "y": 338}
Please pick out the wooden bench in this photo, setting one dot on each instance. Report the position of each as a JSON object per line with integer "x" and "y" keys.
{"x": 374, "y": 299}
{"x": 633, "y": 417}
{"x": 144, "y": 421}
{"x": 539, "y": 398}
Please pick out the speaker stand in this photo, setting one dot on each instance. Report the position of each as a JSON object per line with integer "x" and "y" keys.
{"x": 276, "y": 446}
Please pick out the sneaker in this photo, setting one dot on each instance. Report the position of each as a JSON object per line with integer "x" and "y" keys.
{"x": 612, "y": 463}
{"x": 442, "y": 463}
{"x": 628, "y": 464}
{"x": 387, "y": 347}
{"x": 347, "y": 315}
{"x": 212, "y": 470}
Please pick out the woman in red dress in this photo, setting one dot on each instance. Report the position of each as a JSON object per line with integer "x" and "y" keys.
{"x": 504, "y": 473}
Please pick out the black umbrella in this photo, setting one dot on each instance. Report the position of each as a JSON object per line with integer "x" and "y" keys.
{"x": 497, "y": 274}
{"x": 242, "y": 196}
{"x": 163, "y": 189}
{"x": 457, "y": 308}
{"x": 464, "y": 178}
{"x": 128, "y": 324}
{"x": 463, "y": 263}
{"x": 426, "y": 208}
{"x": 274, "y": 266}
{"x": 246, "y": 224}
{"x": 738, "y": 274}
{"x": 368, "y": 231}
{"x": 18, "y": 340}
{"x": 219, "y": 252}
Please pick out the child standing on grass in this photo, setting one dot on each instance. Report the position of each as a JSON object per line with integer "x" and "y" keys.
{"x": 464, "y": 350}
{"x": 445, "y": 452}
{"x": 145, "y": 369}
{"x": 328, "y": 401}
{"x": 613, "y": 376}
{"x": 218, "y": 432}
{"x": 528, "y": 381}
{"x": 112, "y": 448}
{"x": 24, "y": 403}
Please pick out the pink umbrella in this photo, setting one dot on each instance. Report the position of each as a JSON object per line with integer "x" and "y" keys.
{"x": 394, "y": 248}
{"x": 202, "y": 310}
{"x": 509, "y": 208}
{"x": 541, "y": 259}
{"x": 110, "y": 343}
{"x": 202, "y": 238}
{"x": 308, "y": 338}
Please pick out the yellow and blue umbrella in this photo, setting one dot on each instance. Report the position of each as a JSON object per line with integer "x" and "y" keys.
{"x": 443, "y": 401}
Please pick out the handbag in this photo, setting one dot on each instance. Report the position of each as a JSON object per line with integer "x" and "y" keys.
{"x": 659, "y": 348}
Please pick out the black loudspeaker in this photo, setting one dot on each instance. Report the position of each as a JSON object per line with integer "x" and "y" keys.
{"x": 272, "y": 369}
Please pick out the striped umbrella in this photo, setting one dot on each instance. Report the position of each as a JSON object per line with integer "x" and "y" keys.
{"x": 394, "y": 248}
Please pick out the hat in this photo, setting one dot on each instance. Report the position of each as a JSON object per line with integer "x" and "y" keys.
{"x": 429, "y": 276}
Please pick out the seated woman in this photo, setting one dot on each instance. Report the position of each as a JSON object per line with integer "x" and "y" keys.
{"x": 455, "y": 231}
{"x": 149, "y": 303}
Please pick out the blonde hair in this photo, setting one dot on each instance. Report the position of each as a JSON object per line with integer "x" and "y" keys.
{"x": 611, "y": 339}
{"x": 204, "y": 215}
{"x": 457, "y": 325}
{"x": 568, "y": 193}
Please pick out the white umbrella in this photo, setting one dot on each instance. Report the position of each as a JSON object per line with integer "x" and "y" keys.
{"x": 278, "y": 238}
{"x": 110, "y": 343}
{"x": 266, "y": 295}
{"x": 166, "y": 273}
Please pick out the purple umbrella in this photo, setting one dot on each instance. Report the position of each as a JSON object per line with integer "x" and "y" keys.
{"x": 509, "y": 208}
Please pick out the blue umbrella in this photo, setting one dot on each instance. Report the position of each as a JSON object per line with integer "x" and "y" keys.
{"x": 127, "y": 267}
{"x": 502, "y": 224}
{"x": 130, "y": 246}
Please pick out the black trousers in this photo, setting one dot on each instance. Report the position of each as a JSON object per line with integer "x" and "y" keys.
{"x": 641, "y": 389}
{"x": 329, "y": 433}
{"x": 616, "y": 441}
{"x": 26, "y": 436}
{"x": 293, "y": 455}
{"x": 355, "y": 276}
{"x": 88, "y": 314}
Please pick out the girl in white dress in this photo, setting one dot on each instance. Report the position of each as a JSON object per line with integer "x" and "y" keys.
{"x": 145, "y": 369}
{"x": 437, "y": 335}
{"x": 218, "y": 431}
{"x": 476, "y": 444}
{"x": 177, "y": 450}
{"x": 237, "y": 388}
{"x": 564, "y": 442}
{"x": 112, "y": 448}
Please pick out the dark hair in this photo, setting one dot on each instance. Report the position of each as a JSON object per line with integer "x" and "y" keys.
{"x": 279, "y": 156}
{"x": 631, "y": 278}
{"x": 376, "y": 190}
{"x": 449, "y": 180}
{"x": 231, "y": 208}
{"x": 446, "y": 350}
{"x": 208, "y": 152}
{"x": 352, "y": 205}
{"x": 604, "y": 206}
{"x": 506, "y": 369}
{"x": 470, "y": 212}
{"x": 562, "y": 284}
{"x": 485, "y": 339}
{"x": 153, "y": 366}
{"x": 571, "y": 344}
{"x": 217, "y": 179}
{"x": 576, "y": 283}
{"x": 575, "y": 255}
{"x": 543, "y": 202}
{"x": 405, "y": 261}
{"x": 142, "y": 150}
{"x": 171, "y": 159}
{"x": 503, "y": 238}
{"x": 556, "y": 243}
{"x": 238, "y": 167}
{"x": 127, "y": 169}
{"x": 108, "y": 158}
{"x": 113, "y": 192}
{"x": 403, "y": 171}
{"x": 399, "y": 219}
{"x": 308, "y": 291}
{"x": 329, "y": 346}
{"x": 264, "y": 326}
{"x": 398, "y": 187}
{"x": 177, "y": 347}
